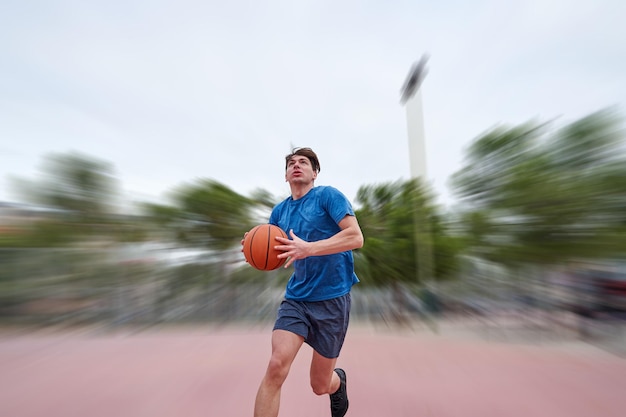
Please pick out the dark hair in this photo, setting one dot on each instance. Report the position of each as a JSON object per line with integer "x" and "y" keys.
{"x": 308, "y": 152}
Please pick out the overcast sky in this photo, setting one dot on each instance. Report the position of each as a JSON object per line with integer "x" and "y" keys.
{"x": 169, "y": 91}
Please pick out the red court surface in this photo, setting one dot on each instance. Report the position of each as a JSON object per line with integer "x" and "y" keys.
{"x": 210, "y": 371}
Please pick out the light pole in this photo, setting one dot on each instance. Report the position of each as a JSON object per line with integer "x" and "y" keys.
{"x": 412, "y": 100}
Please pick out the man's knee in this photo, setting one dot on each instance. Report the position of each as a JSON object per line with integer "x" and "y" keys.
{"x": 277, "y": 370}
{"x": 321, "y": 386}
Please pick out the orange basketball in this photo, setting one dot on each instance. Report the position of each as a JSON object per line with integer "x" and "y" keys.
{"x": 258, "y": 247}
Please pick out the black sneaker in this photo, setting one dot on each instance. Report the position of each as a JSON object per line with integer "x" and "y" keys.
{"x": 339, "y": 400}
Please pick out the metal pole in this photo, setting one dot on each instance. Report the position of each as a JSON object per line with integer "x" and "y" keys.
{"x": 411, "y": 98}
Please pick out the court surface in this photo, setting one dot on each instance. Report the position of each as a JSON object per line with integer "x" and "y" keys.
{"x": 215, "y": 371}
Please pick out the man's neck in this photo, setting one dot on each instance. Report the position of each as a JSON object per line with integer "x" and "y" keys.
{"x": 299, "y": 190}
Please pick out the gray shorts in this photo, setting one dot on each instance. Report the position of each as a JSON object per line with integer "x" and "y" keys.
{"x": 323, "y": 324}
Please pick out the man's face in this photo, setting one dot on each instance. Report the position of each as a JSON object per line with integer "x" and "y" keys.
{"x": 300, "y": 170}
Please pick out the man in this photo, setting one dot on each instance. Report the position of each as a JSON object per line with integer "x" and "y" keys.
{"x": 323, "y": 231}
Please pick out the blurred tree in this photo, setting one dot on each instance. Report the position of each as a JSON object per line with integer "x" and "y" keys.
{"x": 215, "y": 216}
{"x": 394, "y": 250}
{"x": 534, "y": 195}
{"x": 166, "y": 220}
{"x": 162, "y": 215}
{"x": 264, "y": 198}
{"x": 74, "y": 197}
{"x": 74, "y": 183}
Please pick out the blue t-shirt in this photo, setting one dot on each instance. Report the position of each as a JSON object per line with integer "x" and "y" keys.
{"x": 315, "y": 217}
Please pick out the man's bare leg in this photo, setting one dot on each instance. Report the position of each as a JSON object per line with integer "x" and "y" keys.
{"x": 323, "y": 379}
{"x": 326, "y": 379}
{"x": 285, "y": 346}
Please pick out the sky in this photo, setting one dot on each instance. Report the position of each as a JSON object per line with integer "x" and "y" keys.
{"x": 168, "y": 92}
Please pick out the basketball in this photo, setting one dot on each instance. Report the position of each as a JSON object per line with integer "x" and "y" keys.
{"x": 258, "y": 247}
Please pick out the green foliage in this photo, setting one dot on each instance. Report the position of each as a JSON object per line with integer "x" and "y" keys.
{"x": 546, "y": 196}
{"x": 264, "y": 198}
{"x": 44, "y": 234}
{"x": 405, "y": 239}
{"x": 160, "y": 214}
{"x": 74, "y": 195}
{"x": 447, "y": 249}
{"x": 74, "y": 183}
{"x": 214, "y": 215}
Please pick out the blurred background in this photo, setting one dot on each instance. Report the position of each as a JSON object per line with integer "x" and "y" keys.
{"x": 158, "y": 134}
{"x": 536, "y": 247}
